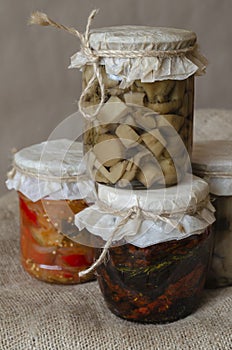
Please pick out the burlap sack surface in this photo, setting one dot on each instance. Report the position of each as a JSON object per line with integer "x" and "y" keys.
{"x": 38, "y": 316}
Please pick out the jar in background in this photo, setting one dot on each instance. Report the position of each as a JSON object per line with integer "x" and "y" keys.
{"x": 212, "y": 161}
{"x": 46, "y": 178}
{"x": 156, "y": 267}
{"x": 145, "y": 125}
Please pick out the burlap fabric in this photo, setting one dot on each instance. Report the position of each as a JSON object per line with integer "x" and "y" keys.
{"x": 38, "y": 316}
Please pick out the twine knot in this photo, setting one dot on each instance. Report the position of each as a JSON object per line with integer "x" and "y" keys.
{"x": 134, "y": 212}
{"x": 88, "y": 52}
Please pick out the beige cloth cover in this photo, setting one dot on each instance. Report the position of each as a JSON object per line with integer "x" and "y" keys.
{"x": 147, "y": 69}
{"x": 38, "y": 316}
{"x": 103, "y": 218}
{"x": 53, "y": 170}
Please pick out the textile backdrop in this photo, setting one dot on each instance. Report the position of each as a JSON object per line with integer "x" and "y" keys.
{"x": 37, "y": 90}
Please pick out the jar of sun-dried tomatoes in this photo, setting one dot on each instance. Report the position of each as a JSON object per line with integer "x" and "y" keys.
{"x": 158, "y": 246}
{"x": 51, "y": 190}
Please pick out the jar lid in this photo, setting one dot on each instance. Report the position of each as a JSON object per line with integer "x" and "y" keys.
{"x": 144, "y": 53}
{"x": 141, "y": 37}
{"x": 212, "y": 160}
{"x": 52, "y": 170}
{"x": 189, "y": 192}
{"x": 144, "y": 218}
{"x": 53, "y": 158}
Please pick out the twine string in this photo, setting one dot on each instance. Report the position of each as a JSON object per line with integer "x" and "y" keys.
{"x": 108, "y": 243}
{"x": 46, "y": 177}
{"x": 93, "y": 57}
{"x": 143, "y": 53}
{"x": 191, "y": 210}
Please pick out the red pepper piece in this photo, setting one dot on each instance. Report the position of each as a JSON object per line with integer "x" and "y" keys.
{"x": 67, "y": 275}
{"x": 32, "y": 250}
{"x": 30, "y": 214}
{"x": 75, "y": 260}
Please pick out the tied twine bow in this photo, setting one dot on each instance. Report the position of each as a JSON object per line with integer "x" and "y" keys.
{"x": 93, "y": 57}
{"x": 135, "y": 213}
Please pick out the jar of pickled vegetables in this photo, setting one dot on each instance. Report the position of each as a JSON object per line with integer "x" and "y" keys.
{"x": 158, "y": 243}
{"x": 142, "y": 134}
{"x": 212, "y": 161}
{"x": 51, "y": 191}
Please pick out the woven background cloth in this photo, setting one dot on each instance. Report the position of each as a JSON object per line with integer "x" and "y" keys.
{"x": 37, "y": 316}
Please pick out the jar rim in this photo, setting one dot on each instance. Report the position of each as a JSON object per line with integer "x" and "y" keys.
{"x": 212, "y": 158}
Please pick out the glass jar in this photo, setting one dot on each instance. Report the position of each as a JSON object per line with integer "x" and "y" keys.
{"x": 142, "y": 134}
{"x": 212, "y": 161}
{"x": 220, "y": 273}
{"x": 161, "y": 283}
{"x": 46, "y": 253}
{"x": 159, "y": 245}
{"x": 46, "y": 203}
{"x": 138, "y": 151}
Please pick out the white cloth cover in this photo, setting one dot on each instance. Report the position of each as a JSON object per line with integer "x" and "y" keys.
{"x": 146, "y": 69}
{"x": 143, "y": 232}
{"x": 52, "y": 170}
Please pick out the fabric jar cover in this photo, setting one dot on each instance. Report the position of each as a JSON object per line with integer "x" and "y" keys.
{"x": 53, "y": 170}
{"x": 159, "y": 215}
{"x": 212, "y": 161}
{"x": 176, "y": 53}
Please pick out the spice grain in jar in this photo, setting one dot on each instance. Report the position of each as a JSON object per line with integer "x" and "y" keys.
{"x": 212, "y": 161}
{"x": 155, "y": 269}
{"x": 46, "y": 178}
{"x": 143, "y": 132}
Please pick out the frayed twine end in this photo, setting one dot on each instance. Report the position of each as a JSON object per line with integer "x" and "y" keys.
{"x": 39, "y": 18}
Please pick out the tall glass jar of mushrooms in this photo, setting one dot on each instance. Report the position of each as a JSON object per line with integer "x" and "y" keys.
{"x": 142, "y": 133}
